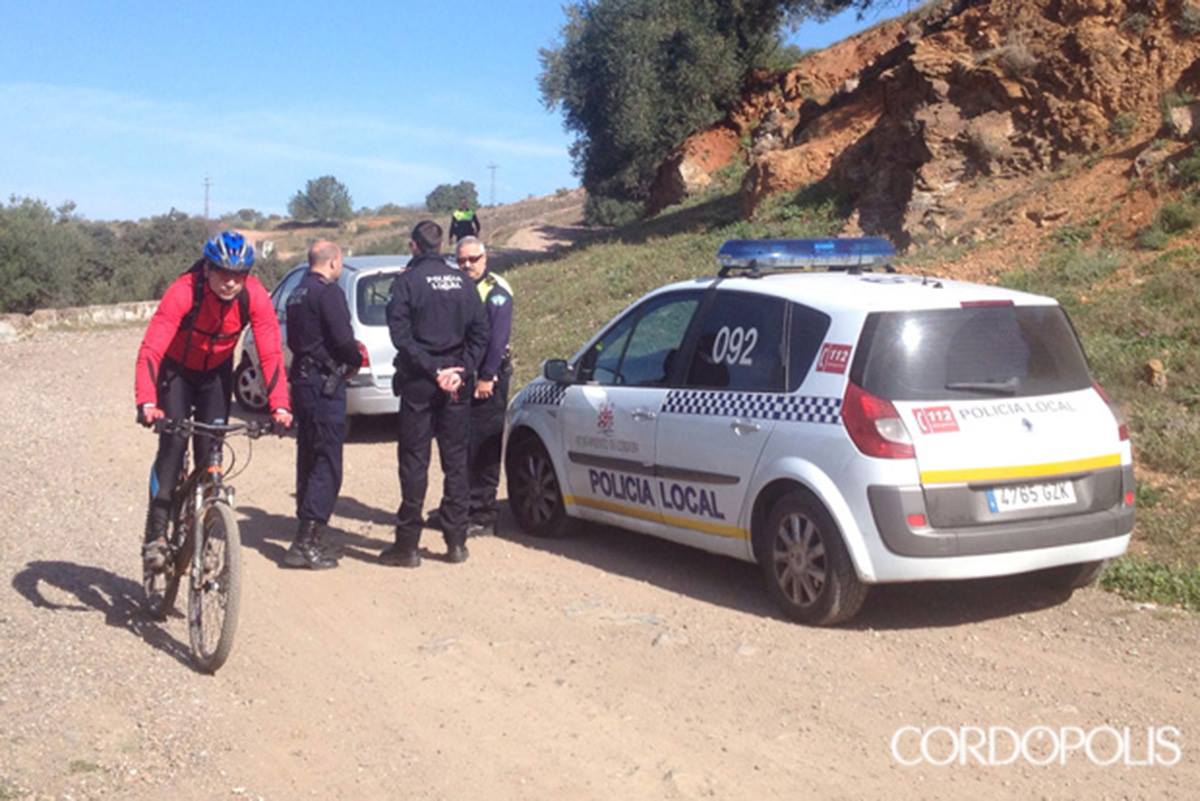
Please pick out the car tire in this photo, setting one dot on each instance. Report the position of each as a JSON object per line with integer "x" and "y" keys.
{"x": 533, "y": 490}
{"x": 248, "y": 387}
{"x": 1073, "y": 577}
{"x": 805, "y": 564}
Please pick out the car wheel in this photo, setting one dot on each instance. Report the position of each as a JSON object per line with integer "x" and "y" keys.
{"x": 533, "y": 491}
{"x": 1073, "y": 577}
{"x": 248, "y": 387}
{"x": 805, "y": 564}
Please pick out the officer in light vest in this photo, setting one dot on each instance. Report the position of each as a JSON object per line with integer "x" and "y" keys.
{"x": 463, "y": 222}
{"x": 490, "y": 396}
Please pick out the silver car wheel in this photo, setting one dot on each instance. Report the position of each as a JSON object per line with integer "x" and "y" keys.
{"x": 798, "y": 557}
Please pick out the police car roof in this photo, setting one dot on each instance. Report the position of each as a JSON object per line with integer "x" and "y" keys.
{"x": 869, "y": 291}
{"x": 375, "y": 262}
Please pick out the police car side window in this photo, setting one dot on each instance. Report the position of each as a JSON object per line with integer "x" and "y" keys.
{"x": 806, "y": 331}
{"x": 638, "y": 349}
{"x": 656, "y": 339}
{"x": 740, "y": 344}
{"x": 603, "y": 359}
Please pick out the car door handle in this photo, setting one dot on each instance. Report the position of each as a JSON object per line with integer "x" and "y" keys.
{"x": 643, "y": 414}
{"x": 744, "y": 427}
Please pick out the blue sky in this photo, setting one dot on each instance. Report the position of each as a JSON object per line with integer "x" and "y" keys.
{"x": 126, "y": 107}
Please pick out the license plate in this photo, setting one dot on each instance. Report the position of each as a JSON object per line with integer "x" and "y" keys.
{"x": 1016, "y": 497}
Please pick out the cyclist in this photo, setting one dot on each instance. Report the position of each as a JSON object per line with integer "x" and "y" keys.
{"x": 185, "y": 364}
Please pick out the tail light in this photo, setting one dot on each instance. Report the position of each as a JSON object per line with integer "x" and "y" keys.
{"x": 874, "y": 425}
{"x": 366, "y": 357}
{"x": 1122, "y": 426}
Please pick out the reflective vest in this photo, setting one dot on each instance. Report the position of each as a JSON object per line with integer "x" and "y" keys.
{"x": 463, "y": 215}
{"x": 490, "y": 282}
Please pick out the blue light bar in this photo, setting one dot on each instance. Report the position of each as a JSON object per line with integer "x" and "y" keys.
{"x": 862, "y": 251}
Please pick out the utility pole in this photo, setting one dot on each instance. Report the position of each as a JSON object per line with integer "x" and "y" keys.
{"x": 207, "y": 184}
{"x": 492, "y": 199}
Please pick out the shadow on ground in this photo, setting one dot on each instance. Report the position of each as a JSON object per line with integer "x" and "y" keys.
{"x": 119, "y": 599}
{"x": 738, "y": 585}
{"x": 272, "y": 534}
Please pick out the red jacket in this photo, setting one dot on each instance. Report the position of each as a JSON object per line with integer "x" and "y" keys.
{"x": 213, "y": 338}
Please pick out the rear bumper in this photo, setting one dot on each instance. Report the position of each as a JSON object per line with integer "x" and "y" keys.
{"x": 369, "y": 400}
{"x": 1103, "y": 516}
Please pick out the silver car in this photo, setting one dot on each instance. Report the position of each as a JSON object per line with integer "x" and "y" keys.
{"x": 367, "y": 282}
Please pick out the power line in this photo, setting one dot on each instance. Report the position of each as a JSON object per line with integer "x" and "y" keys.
{"x": 492, "y": 199}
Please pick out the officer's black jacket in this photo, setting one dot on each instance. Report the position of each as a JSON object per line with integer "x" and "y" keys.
{"x": 436, "y": 320}
{"x": 318, "y": 324}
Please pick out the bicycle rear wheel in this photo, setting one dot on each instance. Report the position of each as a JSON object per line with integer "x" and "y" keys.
{"x": 215, "y": 588}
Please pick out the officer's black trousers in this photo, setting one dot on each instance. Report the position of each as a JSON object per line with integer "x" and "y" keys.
{"x": 487, "y": 434}
{"x": 425, "y": 414}
{"x": 204, "y": 396}
{"x": 320, "y": 432}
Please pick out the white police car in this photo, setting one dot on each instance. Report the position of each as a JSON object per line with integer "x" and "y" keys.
{"x": 841, "y": 427}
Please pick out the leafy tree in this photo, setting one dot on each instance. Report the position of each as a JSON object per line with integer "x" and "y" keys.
{"x": 635, "y": 77}
{"x": 447, "y": 198}
{"x": 324, "y": 199}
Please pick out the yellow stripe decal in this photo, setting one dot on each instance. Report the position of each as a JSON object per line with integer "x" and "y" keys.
{"x": 646, "y": 514}
{"x": 1044, "y": 470}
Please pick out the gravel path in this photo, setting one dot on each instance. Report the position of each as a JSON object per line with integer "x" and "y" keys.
{"x": 604, "y": 665}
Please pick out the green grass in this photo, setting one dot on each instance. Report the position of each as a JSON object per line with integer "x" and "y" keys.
{"x": 1145, "y": 580}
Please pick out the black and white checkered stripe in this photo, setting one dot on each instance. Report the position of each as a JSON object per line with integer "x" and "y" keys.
{"x": 543, "y": 394}
{"x": 766, "y": 406}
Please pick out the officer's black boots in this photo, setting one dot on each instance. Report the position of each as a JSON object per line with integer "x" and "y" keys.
{"x": 456, "y": 554}
{"x": 401, "y": 556}
{"x": 306, "y": 550}
{"x": 154, "y": 547}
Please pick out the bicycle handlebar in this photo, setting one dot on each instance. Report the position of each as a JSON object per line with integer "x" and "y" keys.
{"x": 252, "y": 429}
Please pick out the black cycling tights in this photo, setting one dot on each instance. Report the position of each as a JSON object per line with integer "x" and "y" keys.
{"x": 182, "y": 394}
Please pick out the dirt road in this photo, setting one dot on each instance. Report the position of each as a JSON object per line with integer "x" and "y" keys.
{"x": 600, "y": 666}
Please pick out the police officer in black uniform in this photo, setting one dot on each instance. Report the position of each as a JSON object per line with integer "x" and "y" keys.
{"x": 490, "y": 396}
{"x": 324, "y": 352}
{"x": 438, "y": 326}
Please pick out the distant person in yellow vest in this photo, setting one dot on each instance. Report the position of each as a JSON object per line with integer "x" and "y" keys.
{"x": 463, "y": 222}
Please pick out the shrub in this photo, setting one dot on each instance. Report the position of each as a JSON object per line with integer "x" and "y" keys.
{"x": 1188, "y": 23}
{"x": 1188, "y": 170}
{"x": 1136, "y": 23}
{"x": 1122, "y": 125}
{"x": 1153, "y": 238}
{"x": 1015, "y": 58}
{"x": 601, "y": 210}
{"x": 1178, "y": 216}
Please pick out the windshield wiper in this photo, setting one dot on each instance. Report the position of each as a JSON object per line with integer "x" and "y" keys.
{"x": 1006, "y": 387}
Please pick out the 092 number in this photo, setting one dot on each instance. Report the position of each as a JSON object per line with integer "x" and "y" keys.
{"x": 734, "y": 345}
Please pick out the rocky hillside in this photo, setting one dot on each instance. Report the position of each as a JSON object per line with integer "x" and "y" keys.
{"x": 972, "y": 121}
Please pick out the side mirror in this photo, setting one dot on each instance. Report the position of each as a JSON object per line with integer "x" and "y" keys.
{"x": 558, "y": 371}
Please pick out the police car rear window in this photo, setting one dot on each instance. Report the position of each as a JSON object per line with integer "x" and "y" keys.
{"x": 973, "y": 352}
{"x": 372, "y": 293}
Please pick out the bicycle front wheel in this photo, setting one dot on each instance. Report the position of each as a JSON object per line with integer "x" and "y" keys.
{"x": 215, "y": 589}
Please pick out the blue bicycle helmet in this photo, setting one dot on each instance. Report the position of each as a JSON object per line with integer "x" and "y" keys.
{"x": 229, "y": 250}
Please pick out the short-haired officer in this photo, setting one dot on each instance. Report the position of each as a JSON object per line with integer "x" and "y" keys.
{"x": 324, "y": 352}
{"x": 490, "y": 398}
{"x": 440, "y": 332}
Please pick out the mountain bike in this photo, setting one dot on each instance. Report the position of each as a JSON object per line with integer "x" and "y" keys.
{"x": 204, "y": 544}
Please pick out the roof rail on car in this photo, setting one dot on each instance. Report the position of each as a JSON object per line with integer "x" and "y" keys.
{"x": 756, "y": 257}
